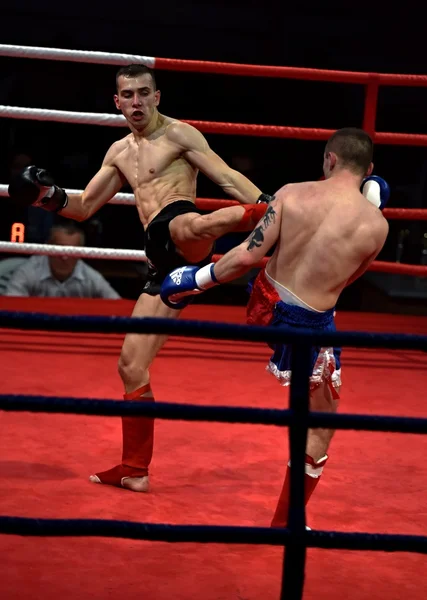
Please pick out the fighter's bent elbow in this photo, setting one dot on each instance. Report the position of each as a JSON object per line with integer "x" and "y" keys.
{"x": 78, "y": 214}
{"x": 83, "y": 210}
{"x": 245, "y": 259}
{"x": 80, "y": 217}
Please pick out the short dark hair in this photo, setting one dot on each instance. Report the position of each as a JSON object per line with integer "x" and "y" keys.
{"x": 354, "y": 147}
{"x": 68, "y": 226}
{"x": 133, "y": 71}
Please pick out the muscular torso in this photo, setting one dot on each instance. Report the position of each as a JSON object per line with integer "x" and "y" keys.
{"x": 326, "y": 234}
{"x": 156, "y": 170}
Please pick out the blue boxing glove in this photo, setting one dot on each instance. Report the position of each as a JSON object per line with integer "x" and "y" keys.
{"x": 183, "y": 283}
{"x": 376, "y": 190}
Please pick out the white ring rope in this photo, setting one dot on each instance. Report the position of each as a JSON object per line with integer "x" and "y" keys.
{"x": 202, "y": 66}
{"x": 62, "y": 116}
{"x": 125, "y": 199}
{"x": 84, "y": 118}
{"x": 75, "y": 251}
{"x": 84, "y": 56}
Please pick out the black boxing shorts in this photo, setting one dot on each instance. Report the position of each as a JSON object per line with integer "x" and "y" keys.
{"x": 161, "y": 252}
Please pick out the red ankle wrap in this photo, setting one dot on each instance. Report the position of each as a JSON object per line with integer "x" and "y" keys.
{"x": 136, "y": 394}
{"x": 253, "y": 213}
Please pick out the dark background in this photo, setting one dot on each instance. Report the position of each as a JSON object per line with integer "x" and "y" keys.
{"x": 318, "y": 36}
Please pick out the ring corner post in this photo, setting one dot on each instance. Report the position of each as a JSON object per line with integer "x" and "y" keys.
{"x": 370, "y": 108}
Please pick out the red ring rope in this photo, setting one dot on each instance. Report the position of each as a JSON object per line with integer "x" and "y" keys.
{"x": 301, "y": 133}
{"x": 410, "y": 214}
{"x": 378, "y": 265}
{"x": 307, "y": 74}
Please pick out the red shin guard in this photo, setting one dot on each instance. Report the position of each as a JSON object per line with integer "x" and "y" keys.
{"x": 138, "y": 440}
{"x": 253, "y": 213}
{"x": 313, "y": 471}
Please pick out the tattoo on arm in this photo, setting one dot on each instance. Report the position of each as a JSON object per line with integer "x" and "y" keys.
{"x": 256, "y": 238}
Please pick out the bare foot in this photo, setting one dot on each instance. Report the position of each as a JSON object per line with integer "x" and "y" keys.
{"x": 136, "y": 484}
{"x": 124, "y": 476}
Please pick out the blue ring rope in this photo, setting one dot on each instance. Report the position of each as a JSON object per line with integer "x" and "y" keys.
{"x": 209, "y": 329}
{"x": 197, "y": 412}
{"x": 298, "y": 419}
{"x": 218, "y": 534}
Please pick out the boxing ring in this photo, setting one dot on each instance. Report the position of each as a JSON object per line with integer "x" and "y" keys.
{"x": 60, "y": 359}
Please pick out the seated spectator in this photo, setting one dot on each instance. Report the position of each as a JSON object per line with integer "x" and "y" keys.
{"x": 7, "y": 268}
{"x": 60, "y": 276}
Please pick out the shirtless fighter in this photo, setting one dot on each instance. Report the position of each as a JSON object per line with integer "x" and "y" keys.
{"x": 327, "y": 234}
{"x": 160, "y": 159}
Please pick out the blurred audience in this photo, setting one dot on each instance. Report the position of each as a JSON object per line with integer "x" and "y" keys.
{"x": 60, "y": 276}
